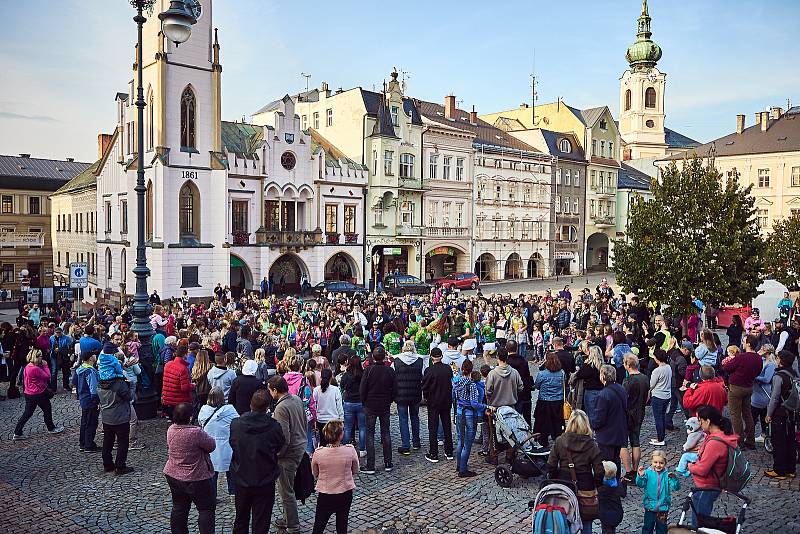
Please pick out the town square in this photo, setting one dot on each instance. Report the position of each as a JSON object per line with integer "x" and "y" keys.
{"x": 439, "y": 267}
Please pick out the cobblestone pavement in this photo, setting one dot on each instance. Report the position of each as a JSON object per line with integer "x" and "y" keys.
{"x": 49, "y": 486}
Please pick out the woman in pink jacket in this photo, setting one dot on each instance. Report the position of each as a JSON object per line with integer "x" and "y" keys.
{"x": 334, "y": 466}
{"x": 36, "y": 377}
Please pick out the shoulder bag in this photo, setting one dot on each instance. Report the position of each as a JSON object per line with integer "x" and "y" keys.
{"x": 567, "y": 406}
{"x": 588, "y": 503}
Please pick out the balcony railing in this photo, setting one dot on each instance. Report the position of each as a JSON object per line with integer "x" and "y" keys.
{"x": 350, "y": 238}
{"x": 410, "y": 183}
{"x": 445, "y": 231}
{"x": 332, "y": 238}
{"x": 241, "y": 238}
{"x": 292, "y": 238}
{"x": 603, "y": 220}
{"x": 604, "y": 190}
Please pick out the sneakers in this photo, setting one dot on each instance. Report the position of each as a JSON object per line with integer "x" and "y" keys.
{"x": 57, "y": 430}
{"x": 136, "y": 446}
{"x": 18, "y": 437}
{"x": 483, "y": 453}
{"x": 760, "y": 439}
{"x": 367, "y": 471}
{"x": 362, "y": 454}
{"x": 629, "y": 478}
{"x": 123, "y": 471}
{"x": 539, "y": 450}
{"x": 415, "y": 447}
{"x": 467, "y": 474}
{"x": 448, "y": 456}
{"x": 440, "y": 442}
{"x": 91, "y": 449}
{"x": 774, "y": 475}
{"x": 431, "y": 458}
{"x": 404, "y": 451}
{"x": 388, "y": 467}
{"x": 657, "y": 443}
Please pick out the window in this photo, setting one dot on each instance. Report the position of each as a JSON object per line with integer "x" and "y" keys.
{"x": 592, "y": 208}
{"x": 575, "y": 206}
{"x": 349, "y": 219}
{"x": 566, "y": 205}
{"x": 58, "y": 261}
{"x": 558, "y": 176}
{"x": 330, "y": 218}
{"x": 189, "y": 222}
{"x": 108, "y": 217}
{"x": 8, "y": 272}
{"x": 378, "y": 215}
{"x": 305, "y": 122}
{"x": 8, "y": 204}
{"x": 526, "y": 229}
{"x": 69, "y": 223}
{"x": 627, "y": 100}
{"x": 603, "y": 124}
{"x": 80, "y": 222}
{"x": 593, "y": 179}
{"x": 594, "y": 147}
{"x": 460, "y": 169}
{"x": 762, "y": 217}
{"x": 190, "y": 276}
{"x": 124, "y": 210}
{"x": 406, "y": 165}
{"x": 510, "y": 228}
{"x": 567, "y": 177}
{"x": 558, "y": 204}
{"x": 481, "y": 190}
{"x": 498, "y": 191}
{"x": 239, "y": 216}
{"x": 526, "y": 194}
{"x": 188, "y": 114}
{"x": 576, "y": 178}
{"x": 459, "y": 214}
{"x": 434, "y": 159}
{"x": 316, "y": 120}
{"x": 58, "y": 223}
{"x": 388, "y": 162}
{"x": 272, "y": 214}
{"x": 91, "y": 222}
{"x": 407, "y": 213}
{"x": 433, "y": 213}
{"x": 446, "y": 214}
{"x": 795, "y": 176}
{"x": 34, "y": 206}
{"x": 150, "y": 127}
{"x": 611, "y": 150}
{"x": 565, "y": 146}
{"x": 329, "y": 117}
{"x": 512, "y": 192}
{"x": 446, "y": 167}
{"x": 763, "y": 177}
{"x": 602, "y": 149}
{"x": 650, "y": 98}
{"x": 109, "y": 265}
{"x": 395, "y": 112}
{"x": 374, "y": 162}
{"x": 288, "y": 160}
{"x": 496, "y": 228}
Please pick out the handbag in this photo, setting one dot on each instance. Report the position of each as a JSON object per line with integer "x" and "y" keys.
{"x": 588, "y": 503}
{"x": 567, "y": 406}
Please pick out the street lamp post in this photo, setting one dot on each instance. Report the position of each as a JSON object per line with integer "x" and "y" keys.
{"x": 176, "y": 24}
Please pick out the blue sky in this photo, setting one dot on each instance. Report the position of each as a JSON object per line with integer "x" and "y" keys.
{"x": 721, "y": 58}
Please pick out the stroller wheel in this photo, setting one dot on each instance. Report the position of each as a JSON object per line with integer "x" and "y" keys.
{"x": 768, "y": 444}
{"x": 503, "y": 477}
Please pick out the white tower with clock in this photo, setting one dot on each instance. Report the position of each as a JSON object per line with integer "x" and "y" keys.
{"x": 641, "y": 116}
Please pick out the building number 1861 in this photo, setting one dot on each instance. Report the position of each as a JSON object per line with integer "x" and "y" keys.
{"x": 190, "y": 175}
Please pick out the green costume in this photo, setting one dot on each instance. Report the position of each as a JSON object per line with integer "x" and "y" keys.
{"x": 393, "y": 343}
{"x": 422, "y": 340}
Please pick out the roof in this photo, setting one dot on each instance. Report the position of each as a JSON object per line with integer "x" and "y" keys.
{"x": 782, "y": 135}
{"x": 333, "y": 156}
{"x": 40, "y": 174}
{"x": 241, "y": 138}
{"x": 630, "y": 178}
{"x": 383, "y": 119}
{"x": 552, "y": 139}
{"x": 84, "y": 180}
{"x": 590, "y": 115}
{"x": 485, "y": 133}
{"x": 507, "y": 124}
{"x": 678, "y": 140}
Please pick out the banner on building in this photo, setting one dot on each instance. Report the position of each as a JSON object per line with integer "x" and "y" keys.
{"x": 21, "y": 239}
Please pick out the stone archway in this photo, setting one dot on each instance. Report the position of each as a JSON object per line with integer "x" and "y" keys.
{"x": 513, "y": 267}
{"x": 486, "y": 266}
{"x": 287, "y": 273}
{"x": 341, "y": 266}
{"x": 535, "y": 265}
{"x": 241, "y": 276}
{"x": 597, "y": 248}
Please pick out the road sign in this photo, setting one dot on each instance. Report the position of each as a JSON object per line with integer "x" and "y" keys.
{"x": 78, "y": 274}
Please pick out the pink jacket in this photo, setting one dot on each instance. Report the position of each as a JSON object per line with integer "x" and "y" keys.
{"x": 189, "y": 449}
{"x": 334, "y": 467}
{"x": 36, "y": 378}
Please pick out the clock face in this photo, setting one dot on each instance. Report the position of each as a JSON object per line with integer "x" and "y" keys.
{"x": 652, "y": 76}
{"x": 195, "y": 7}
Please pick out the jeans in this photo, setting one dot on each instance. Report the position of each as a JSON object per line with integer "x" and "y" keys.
{"x": 229, "y": 479}
{"x": 404, "y": 411}
{"x": 354, "y": 412}
{"x": 310, "y": 437}
{"x": 134, "y": 420}
{"x": 386, "y": 439}
{"x": 31, "y": 402}
{"x": 256, "y": 503}
{"x": 659, "y": 415}
{"x": 590, "y": 403}
{"x": 329, "y": 504}
{"x": 742, "y": 412}
{"x": 465, "y": 435}
{"x": 89, "y": 418}
{"x": 703, "y": 501}
{"x": 199, "y": 492}
{"x": 674, "y": 405}
{"x": 291, "y": 519}
{"x": 436, "y": 416}
{"x": 121, "y": 434}
{"x": 587, "y": 527}
{"x": 651, "y": 522}
{"x": 683, "y": 464}
{"x": 65, "y": 374}
{"x": 758, "y": 417}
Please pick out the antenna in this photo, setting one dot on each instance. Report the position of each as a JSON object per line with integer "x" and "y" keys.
{"x": 534, "y": 93}
{"x": 307, "y": 77}
{"x": 404, "y": 74}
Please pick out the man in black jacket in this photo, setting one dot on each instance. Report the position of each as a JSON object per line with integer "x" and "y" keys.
{"x": 255, "y": 439}
{"x": 408, "y": 372}
{"x": 519, "y": 363}
{"x": 437, "y": 387}
{"x": 378, "y": 389}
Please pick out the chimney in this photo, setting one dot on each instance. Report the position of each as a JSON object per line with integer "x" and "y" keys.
{"x": 102, "y": 144}
{"x": 24, "y": 155}
{"x": 739, "y": 124}
{"x": 324, "y": 87}
{"x": 524, "y": 105}
{"x": 70, "y": 159}
{"x": 764, "y": 121}
{"x": 473, "y": 116}
{"x": 450, "y": 107}
{"x": 775, "y": 112}
{"x": 758, "y": 118}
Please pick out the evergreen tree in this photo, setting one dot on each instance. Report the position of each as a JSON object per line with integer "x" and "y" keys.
{"x": 782, "y": 257}
{"x": 696, "y": 236}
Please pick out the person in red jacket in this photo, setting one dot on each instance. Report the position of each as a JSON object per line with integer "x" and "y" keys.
{"x": 709, "y": 391}
{"x": 712, "y": 460}
{"x": 177, "y": 387}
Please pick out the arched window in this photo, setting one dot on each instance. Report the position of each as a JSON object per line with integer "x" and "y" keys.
{"x": 148, "y": 211}
{"x": 189, "y": 220}
{"x": 188, "y": 107}
{"x": 565, "y": 146}
{"x": 627, "y": 100}
{"x": 650, "y": 98}
{"x": 123, "y": 266}
{"x": 109, "y": 265}
{"x": 150, "y": 115}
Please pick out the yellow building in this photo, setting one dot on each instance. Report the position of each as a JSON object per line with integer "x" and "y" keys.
{"x": 766, "y": 155}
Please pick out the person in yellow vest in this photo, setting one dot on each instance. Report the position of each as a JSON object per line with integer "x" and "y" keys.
{"x": 659, "y": 340}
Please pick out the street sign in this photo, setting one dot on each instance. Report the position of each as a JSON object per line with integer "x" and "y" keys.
{"x": 65, "y": 293}
{"x": 78, "y": 274}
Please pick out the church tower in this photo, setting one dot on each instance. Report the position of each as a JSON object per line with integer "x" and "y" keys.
{"x": 641, "y": 103}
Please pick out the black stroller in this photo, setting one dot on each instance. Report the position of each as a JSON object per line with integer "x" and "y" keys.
{"x": 709, "y": 524}
{"x": 527, "y": 458}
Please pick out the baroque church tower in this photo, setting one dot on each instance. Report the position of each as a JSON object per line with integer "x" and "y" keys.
{"x": 641, "y": 116}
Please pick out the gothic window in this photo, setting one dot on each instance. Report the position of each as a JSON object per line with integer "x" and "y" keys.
{"x": 650, "y": 98}
{"x": 188, "y": 116}
{"x": 627, "y": 100}
{"x": 288, "y": 161}
{"x": 148, "y": 215}
{"x": 109, "y": 268}
{"x": 189, "y": 211}
{"x": 123, "y": 265}
{"x": 150, "y": 128}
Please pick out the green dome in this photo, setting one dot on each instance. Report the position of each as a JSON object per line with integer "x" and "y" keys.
{"x": 644, "y": 53}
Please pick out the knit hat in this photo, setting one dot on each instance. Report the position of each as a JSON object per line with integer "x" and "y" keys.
{"x": 194, "y": 345}
{"x": 249, "y": 368}
{"x": 109, "y": 348}
{"x": 687, "y": 345}
{"x": 692, "y": 424}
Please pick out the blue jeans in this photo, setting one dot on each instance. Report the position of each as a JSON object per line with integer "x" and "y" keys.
{"x": 228, "y": 479}
{"x": 354, "y": 411}
{"x": 651, "y": 522}
{"x": 465, "y": 435}
{"x": 590, "y": 403}
{"x": 683, "y": 464}
{"x": 659, "y": 414}
{"x": 703, "y": 501}
{"x": 310, "y": 437}
{"x": 587, "y": 527}
{"x": 404, "y": 412}
{"x": 677, "y": 403}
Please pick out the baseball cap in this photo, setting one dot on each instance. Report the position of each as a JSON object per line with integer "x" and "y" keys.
{"x": 687, "y": 345}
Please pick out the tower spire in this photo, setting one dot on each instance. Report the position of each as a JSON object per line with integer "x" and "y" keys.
{"x": 643, "y": 54}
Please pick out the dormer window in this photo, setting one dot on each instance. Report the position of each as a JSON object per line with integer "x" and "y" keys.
{"x": 603, "y": 124}
{"x": 395, "y": 112}
{"x": 565, "y": 146}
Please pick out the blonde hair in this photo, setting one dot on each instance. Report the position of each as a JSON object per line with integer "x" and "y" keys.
{"x": 595, "y": 357}
{"x": 289, "y": 355}
{"x": 202, "y": 365}
{"x": 610, "y": 469}
{"x": 658, "y": 453}
{"x": 34, "y": 356}
{"x": 260, "y": 355}
{"x": 578, "y": 423}
{"x": 333, "y": 431}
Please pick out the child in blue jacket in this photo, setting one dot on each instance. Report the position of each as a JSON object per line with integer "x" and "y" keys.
{"x": 658, "y": 486}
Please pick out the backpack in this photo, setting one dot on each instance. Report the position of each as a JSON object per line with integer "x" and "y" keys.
{"x": 308, "y": 400}
{"x": 549, "y": 519}
{"x": 792, "y": 401}
{"x": 737, "y": 473}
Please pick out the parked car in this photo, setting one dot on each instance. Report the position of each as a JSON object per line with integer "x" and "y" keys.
{"x": 339, "y": 286}
{"x": 404, "y": 284}
{"x": 458, "y": 281}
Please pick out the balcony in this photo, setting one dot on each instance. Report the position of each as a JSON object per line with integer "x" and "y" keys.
{"x": 410, "y": 183}
{"x": 350, "y": 238}
{"x": 301, "y": 238}
{"x": 241, "y": 238}
{"x": 409, "y": 231}
{"x": 604, "y": 191}
{"x": 445, "y": 231}
{"x": 603, "y": 221}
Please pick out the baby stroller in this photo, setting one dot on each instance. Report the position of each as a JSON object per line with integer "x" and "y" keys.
{"x": 709, "y": 524}
{"x": 555, "y": 509}
{"x": 527, "y": 459}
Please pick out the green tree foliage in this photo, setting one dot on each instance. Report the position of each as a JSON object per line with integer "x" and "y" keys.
{"x": 696, "y": 236}
{"x": 782, "y": 257}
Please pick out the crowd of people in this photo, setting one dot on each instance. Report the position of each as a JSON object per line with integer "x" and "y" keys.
{"x": 268, "y": 391}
